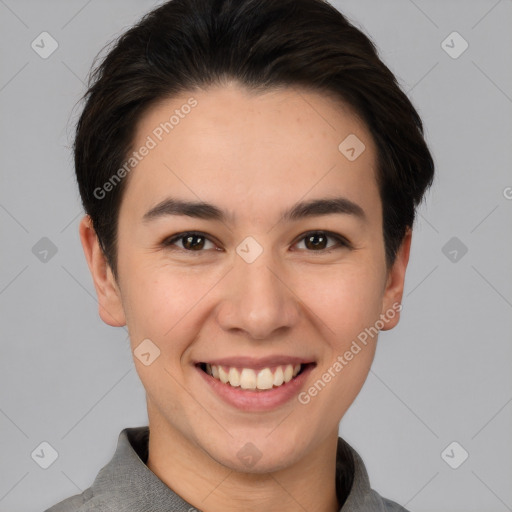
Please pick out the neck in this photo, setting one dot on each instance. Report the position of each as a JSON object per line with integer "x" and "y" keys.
{"x": 190, "y": 472}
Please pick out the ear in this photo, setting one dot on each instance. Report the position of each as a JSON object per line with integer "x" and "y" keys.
{"x": 394, "y": 289}
{"x": 109, "y": 297}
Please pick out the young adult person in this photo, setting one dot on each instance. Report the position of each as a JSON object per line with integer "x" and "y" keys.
{"x": 250, "y": 171}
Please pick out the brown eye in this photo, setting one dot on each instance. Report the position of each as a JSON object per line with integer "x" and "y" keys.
{"x": 193, "y": 242}
{"x": 317, "y": 241}
{"x": 190, "y": 242}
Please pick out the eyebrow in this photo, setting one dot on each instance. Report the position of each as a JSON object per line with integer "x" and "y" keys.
{"x": 208, "y": 211}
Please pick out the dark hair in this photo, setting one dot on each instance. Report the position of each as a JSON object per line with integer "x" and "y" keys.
{"x": 187, "y": 44}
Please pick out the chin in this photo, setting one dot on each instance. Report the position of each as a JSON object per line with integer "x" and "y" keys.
{"x": 259, "y": 453}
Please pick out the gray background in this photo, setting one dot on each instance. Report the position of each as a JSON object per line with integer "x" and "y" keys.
{"x": 442, "y": 375}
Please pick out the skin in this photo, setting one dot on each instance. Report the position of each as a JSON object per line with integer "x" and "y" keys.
{"x": 254, "y": 156}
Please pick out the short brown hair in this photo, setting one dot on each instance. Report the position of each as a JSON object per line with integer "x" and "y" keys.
{"x": 187, "y": 44}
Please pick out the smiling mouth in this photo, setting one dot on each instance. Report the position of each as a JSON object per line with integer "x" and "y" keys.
{"x": 254, "y": 380}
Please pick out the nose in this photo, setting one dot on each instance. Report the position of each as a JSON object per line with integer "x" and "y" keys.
{"x": 258, "y": 299}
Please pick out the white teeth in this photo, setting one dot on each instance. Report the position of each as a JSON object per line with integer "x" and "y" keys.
{"x": 265, "y": 379}
{"x": 288, "y": 373}
{"x": 223, "y": 375}
{"x": 251, "y": 379}
{"x": 247, "y": 379}
{"x": 278, "y": 376}
{"x": 234, "y": 377}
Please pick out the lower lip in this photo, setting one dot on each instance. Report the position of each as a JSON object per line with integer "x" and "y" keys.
{"x": 264, "y": 400}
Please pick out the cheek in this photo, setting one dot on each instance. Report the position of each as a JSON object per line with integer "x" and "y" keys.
{"x": 159, "y": 301}
{"x": 346, "y": 297}
{"x": 348, "y": 304}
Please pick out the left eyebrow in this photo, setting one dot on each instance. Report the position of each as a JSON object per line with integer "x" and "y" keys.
{"x": 327, "y": 206}
{"x": 208, "y": 211}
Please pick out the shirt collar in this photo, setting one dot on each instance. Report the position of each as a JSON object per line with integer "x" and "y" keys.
{"x": 128, "y": 480}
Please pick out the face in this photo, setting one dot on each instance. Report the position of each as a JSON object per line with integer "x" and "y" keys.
{"x": 263, "y": 278}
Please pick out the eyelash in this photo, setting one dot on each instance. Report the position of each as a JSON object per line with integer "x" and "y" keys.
{"x": 342, "y": 242}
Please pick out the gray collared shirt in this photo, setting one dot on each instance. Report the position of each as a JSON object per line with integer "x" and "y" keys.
{"x": 126, "y": 484}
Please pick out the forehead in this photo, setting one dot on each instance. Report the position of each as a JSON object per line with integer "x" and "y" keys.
{"x": 247, "y": 152}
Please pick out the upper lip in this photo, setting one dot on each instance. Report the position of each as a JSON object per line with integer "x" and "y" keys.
{"x": 257, "y": 363}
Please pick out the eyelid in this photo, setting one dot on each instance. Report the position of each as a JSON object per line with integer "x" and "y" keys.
{"x": 340, "y": 239}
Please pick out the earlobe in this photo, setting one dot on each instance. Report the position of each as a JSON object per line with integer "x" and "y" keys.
{"x": 110, "y": 307}
{"x": 392, "y": 299}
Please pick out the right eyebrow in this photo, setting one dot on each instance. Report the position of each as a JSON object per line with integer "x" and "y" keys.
{"x": 196, "y": 209}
